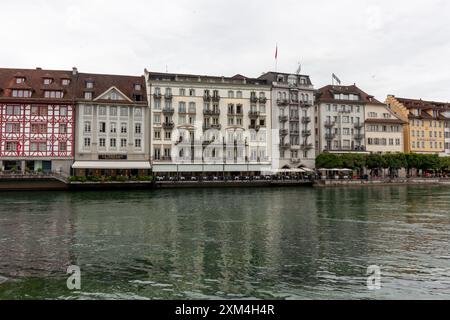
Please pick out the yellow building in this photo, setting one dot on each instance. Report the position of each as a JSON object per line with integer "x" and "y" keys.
{"x": 424, "y": 124}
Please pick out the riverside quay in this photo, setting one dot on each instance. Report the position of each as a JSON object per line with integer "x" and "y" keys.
{"x": 79, "y": 124}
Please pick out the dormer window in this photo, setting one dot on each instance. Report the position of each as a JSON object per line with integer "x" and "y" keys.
{"x": 50, "y": 94}
{"x": 48, "y": 81}
{"x": 88, "y": 95}
{"x": 65, "y": 82}
{"x": 20, "y": 80}
{"x": 21, "y": 93}
{"x": 89, "y": 84}
{"x": 137, "y": 87}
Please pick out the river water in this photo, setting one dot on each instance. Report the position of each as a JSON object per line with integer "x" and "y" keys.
{"x": 268, "y": 243}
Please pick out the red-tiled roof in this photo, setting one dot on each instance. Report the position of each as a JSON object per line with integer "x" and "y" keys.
{"x": 326, "y": 94}
{"x": 423, "y": 104}
{"x": 382, "y": 120}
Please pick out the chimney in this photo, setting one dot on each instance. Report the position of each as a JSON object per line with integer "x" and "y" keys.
{"x": 74, "y": 71}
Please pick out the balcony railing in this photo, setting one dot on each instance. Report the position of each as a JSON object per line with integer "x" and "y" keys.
{"x": 206, "y": 98}
{"x": 157, "y": 95}
{"x": 211, "y": 112}
{"x": 306, "y": 119}
{"x": 330, "y": 136}
{"x": 253, "y": 114}
{"x": 306, "y": 146}
{"x": 329, "y": 124}
{"x": 306, "y": 133}
{"x": 285, "y": 145}
{"x": 212, "y": 126}
{"x": 359, "y": 136}
{"x": 294, "y": 133}
{"x": 215, "y": 98}
{"x": 283, "y": 118}
{"x": 294, "y": 118}
{"x": 168, "y": 125}
{"x": 254, "y": 127}
{"x": 168, "y": 111}
{"x": 253, "y": 99}
{"x": 283, "y": 132}
{"x": 168, "y": 96}
{"x": 282, "y": 102}
{"x": 305, "y": 104}
{"x": 262, "y": 100}
{"x": 359, "y": 125}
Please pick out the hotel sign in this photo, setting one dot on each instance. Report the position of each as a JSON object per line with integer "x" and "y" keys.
{"x": 112, "y": 157}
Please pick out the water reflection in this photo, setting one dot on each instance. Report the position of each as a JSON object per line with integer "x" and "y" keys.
{"x": 230, "y": 243}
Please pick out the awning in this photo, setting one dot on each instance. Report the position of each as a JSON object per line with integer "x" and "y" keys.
{"x": 111, "y": 165}
{"x": 308, "y": 169}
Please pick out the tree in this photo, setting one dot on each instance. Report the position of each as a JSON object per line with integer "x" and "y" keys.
{"x": 328, "y": 161}
{"x": 394, "y": 162}
{"x": 375, "y": 162}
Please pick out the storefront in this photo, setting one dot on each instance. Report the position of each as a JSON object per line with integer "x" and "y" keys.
{"x": 111, "y": 168}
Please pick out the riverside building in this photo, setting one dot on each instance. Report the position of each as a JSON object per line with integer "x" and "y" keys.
{"x": 112, "y": 125}
{"x": 36, "y": 120}
{"x": 209, "y": 125}
{"x": 425, "y": 121}
{"x": 292, "y": 113}
{"x": 340, "y": 119}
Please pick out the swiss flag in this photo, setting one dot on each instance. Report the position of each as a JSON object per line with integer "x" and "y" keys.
{"x": 276, "y": 52}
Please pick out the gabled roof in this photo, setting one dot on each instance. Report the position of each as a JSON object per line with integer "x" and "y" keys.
{"x": 109, "y": 91}
{"x": 326, "y": 94}
{"x": 34, "y": 82}
{"x": 423, "y": 104}
{"x": 102, "y": 83}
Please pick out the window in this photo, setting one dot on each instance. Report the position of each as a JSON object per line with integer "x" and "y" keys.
{"x": 21, "y": 93}
{"x": 137, "y": 128}
{"x": 113, "y": 127}
{"x": 239, "y": 94}
{"x": 182, "y": 92}
{"x": 123, "y": 127}
{"x": 87, "y": 95}
{"x": 62, "y": 128}
{"x": 102, "y": 142}
{"x": 65, "y": 82}
{"x": 62, "y": 146}
{"x": 20, "y": 80}
{"x": 39, "y": 128}
{"x": 38, "y": 146}
{"x": 102, "y": 111}
{"x": 102, "y": 127}
{"x": 13, "y": 127}
{"x": 138, "y": 112}
{"x": 124, "y": 112}
{"x": 11, "y": 146}
{"x": 182, "y": 107}
{"x": 53, "y": 94}
{"x": 63, "y": 111}
{"x": 48, "y": 81}
{"x": 87, "y": 127}
{"x": 157, "y": 135}
{"x": 88, "y": 110}
{"x": 157, "y": 105}
{"x": 113, "y": 111}
{"x": 168, "y": 135}
{"x": 137, "y": 87}
{"x": 89, "y": 84}
{"x": 112, "y": 143}
{"x": 123, "y": 143}
{"x": 230, "y": 94}
{"x": 87, "y": 142}
{"x": 192, "y": 92}
{"x": 137, "y": 143}
{"x": 157, "y": 154}
{"x": 157, "y": 119}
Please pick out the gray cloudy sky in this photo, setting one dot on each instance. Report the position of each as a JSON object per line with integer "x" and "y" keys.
{"x": 398, "y": 47}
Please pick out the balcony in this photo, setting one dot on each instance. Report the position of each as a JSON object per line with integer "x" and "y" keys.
{"x": 282, "y": 102}
{"x": 283, "y": 118}
{"x": 168, "y": 96}
{"x": 359, "y": 125}
{"x": 306, "y": 146}
{"x": 294, "y": 101}
{"x": 215, "y": 98}
{"x": 168, "y": 125}
{"x": 254, "y": 99}
{"x": 329, "y": 124}
{"x": 166, "y": 158}
{"x": 285, "y": 146}
{"x": 212, "y": 126}
{"x": 211, "y": 112}
{"x": 306, "y": 119}
{"x": 206, "y": 98}
{"x": 253, "y": 114}
{"x": 168, "y": 111}
{"x": 283, "y": 132}
{"x": 262, "y": 100}
{"x": 330, "y": 136}
{"x": 294, "y": 132}
{"x": 254, "y": 127}
{"x": 157, "y": 95}
{"x": 359, "y": 137}
{"x": 306, "y": 133}
{"x": 294, "y": 118}
{"x": 305, "y": 104}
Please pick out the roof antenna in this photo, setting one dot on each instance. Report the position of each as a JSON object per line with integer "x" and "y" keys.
{"x": 167, "y": 69}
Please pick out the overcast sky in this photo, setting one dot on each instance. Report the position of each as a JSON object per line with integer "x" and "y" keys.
{"x": 385, "y": 47}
